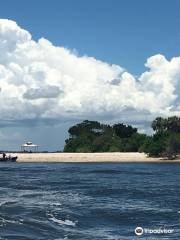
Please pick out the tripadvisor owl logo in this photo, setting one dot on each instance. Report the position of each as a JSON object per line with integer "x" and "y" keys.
{"x": 139, "y": 231}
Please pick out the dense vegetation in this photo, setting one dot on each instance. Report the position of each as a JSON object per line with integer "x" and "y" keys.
{"x": 165, "y": 142}
{"x": 92, "y": 136}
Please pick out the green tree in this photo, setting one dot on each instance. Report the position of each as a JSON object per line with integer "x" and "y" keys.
{"x": 124, "y": 131}
{"x": 173, "y": 146}
{"x": 79, "y": 144}
{"x": 159, "y": 124}
{"x": 173, "y": 124}
{"x": 134, "y": 143}
{"x": 166, "y": 140}
{"x": 155, "y": 145}
{"x": 92, "y": 136}
{"x": 82, "y": 135}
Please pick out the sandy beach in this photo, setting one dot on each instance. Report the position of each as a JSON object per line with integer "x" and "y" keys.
{"x": 88, "y": 157}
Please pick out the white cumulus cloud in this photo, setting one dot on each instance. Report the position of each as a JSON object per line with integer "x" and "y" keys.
{"x": 41, "y": 81}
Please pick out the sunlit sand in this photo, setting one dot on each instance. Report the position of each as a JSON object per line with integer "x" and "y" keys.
{"x": 87, "y": 157}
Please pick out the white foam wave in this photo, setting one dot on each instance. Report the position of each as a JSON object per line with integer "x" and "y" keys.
{"x": 6, "y": 202}
{"x": 4, "y": 221}
{"x": 61, "y": 222}
{"x": 3, "y": 203}
{"x": 56, "y": 204}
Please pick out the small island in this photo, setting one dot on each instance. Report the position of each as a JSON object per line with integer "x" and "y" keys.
{"x": 92, "y": 136}
{"x": 92, "y": 141}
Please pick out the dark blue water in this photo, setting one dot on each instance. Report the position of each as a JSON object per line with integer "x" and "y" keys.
{"x": 88, "y": 201}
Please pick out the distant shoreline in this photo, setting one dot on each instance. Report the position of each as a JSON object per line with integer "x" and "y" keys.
{"x": 90, "y": 157}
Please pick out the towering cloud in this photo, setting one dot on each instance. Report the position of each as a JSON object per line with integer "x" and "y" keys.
{"x": 41, "y": 81}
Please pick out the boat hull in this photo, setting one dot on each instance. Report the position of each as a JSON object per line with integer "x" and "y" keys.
{"x": 8, "y": 159}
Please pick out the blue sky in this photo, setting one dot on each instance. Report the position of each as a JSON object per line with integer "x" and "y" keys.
{"x": 125, "y": 33}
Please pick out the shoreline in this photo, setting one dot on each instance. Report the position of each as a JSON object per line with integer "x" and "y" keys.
{"x": 114, "y": 157}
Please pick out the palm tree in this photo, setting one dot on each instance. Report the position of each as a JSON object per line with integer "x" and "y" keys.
{"x": 159, "y": 124}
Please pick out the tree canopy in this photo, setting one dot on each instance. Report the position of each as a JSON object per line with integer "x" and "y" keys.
{"x": 92, "y": 136}
{"x": 165, "y": 142}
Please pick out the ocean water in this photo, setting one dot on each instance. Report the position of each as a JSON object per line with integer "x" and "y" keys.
{"x": 88, "y": 201}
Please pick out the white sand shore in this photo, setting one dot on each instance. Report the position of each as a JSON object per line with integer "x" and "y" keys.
{"x": 87, "y": 157}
